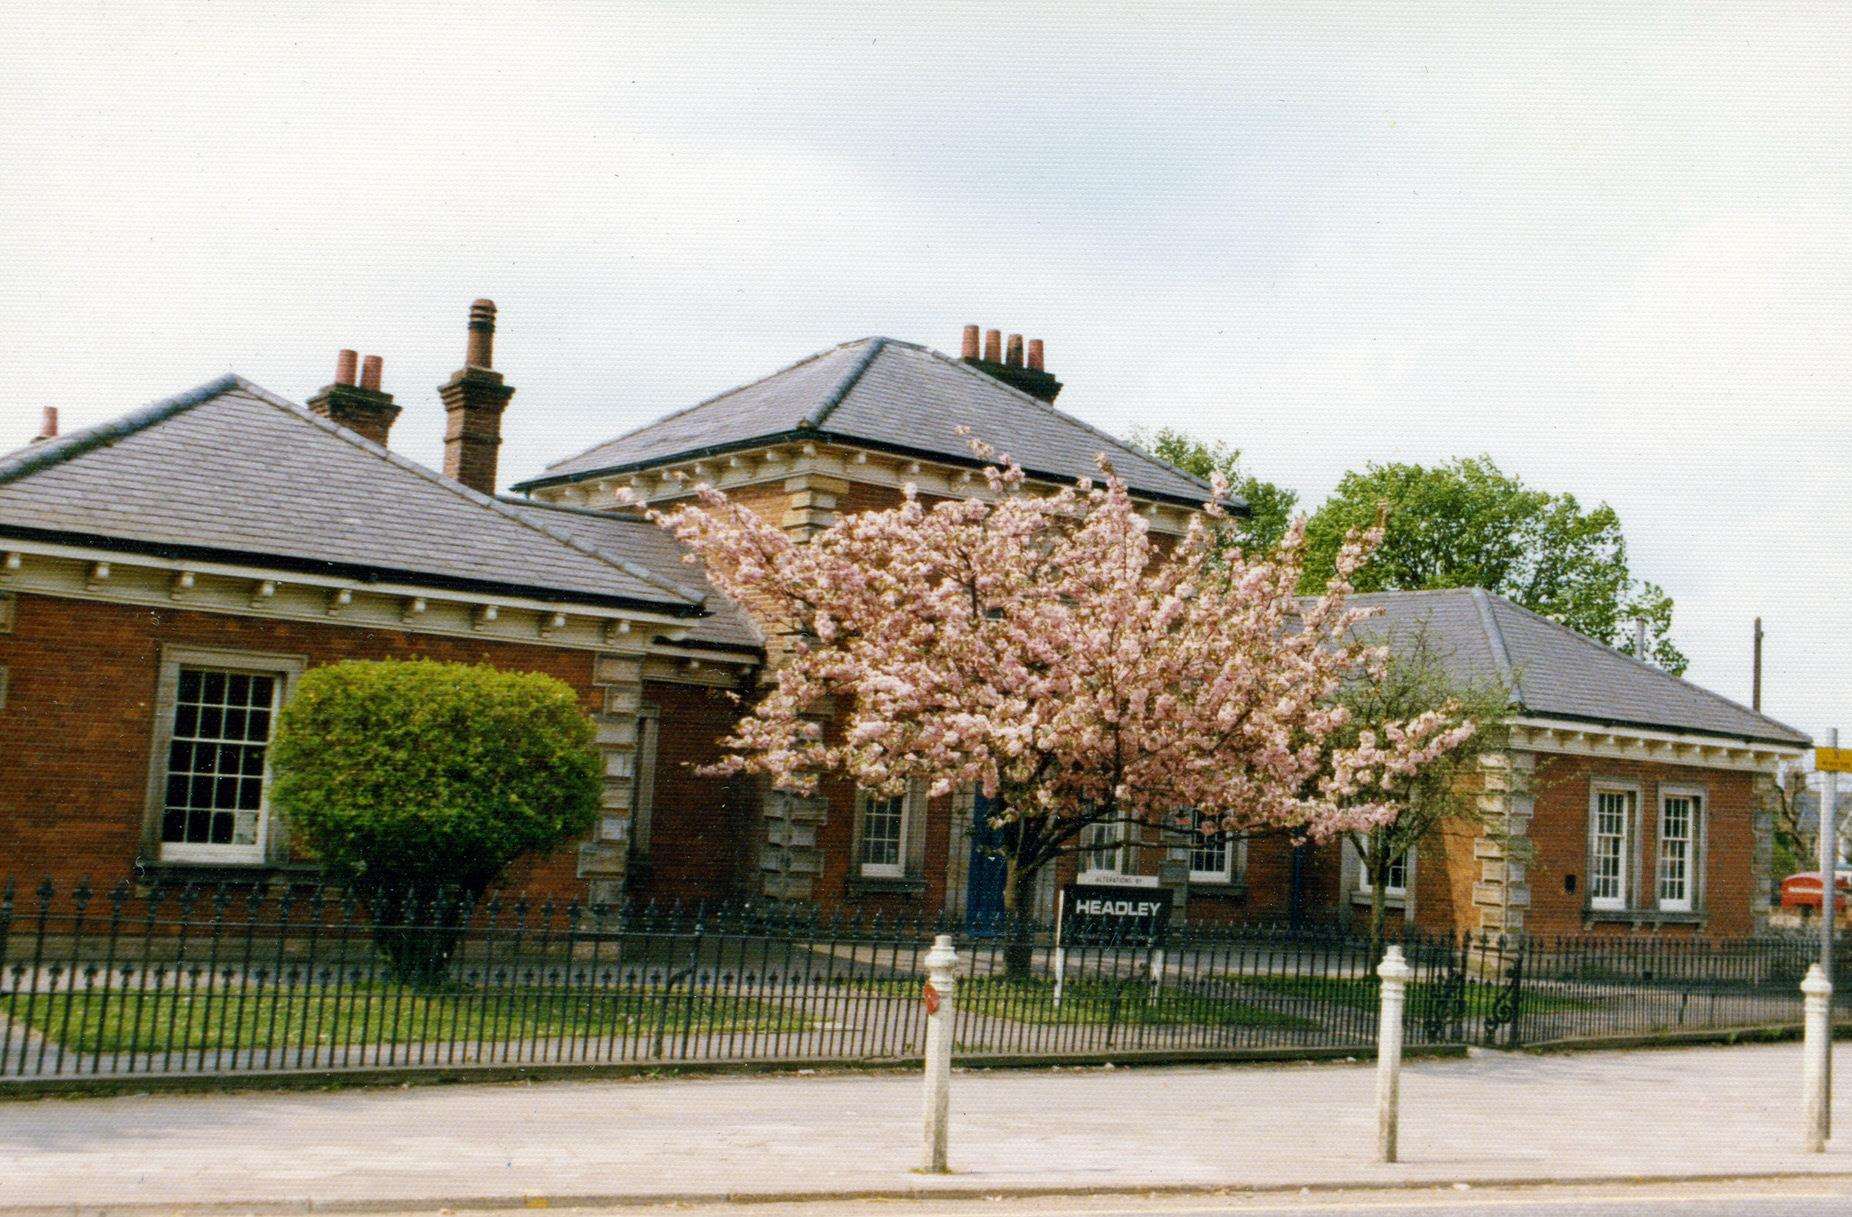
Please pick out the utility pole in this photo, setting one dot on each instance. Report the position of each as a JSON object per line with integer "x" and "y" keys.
{"x": 1755, "y": 687}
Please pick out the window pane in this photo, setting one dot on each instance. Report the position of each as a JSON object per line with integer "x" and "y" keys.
{"x": 1209, "y": 852}
{"x": 882, "y": 827}
{"x": 215, "y": 762}
{"x": 1397, "y": 877}
{"x": 1677, "y": 830}
{"x": 1607, "y": 865}
{"x": 1104, "y": 851}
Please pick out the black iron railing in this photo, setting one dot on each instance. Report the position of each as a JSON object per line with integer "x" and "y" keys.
{"x": 242, "y": 979}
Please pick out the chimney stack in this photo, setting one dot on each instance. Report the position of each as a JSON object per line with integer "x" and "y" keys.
{"x": 474, "y": 398}
{"x": 362, "y": 407}
{"x": 48, "y": 425}
{"x": 1031, "y": 377}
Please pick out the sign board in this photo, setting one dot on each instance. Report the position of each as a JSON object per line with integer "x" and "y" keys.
{"x": 1101, "y": 912}
{"x": 1833, "y": 760}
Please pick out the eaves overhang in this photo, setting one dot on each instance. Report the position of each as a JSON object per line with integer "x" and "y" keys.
{"x": 359, "y": 573}
{"x": 807, "y": 434}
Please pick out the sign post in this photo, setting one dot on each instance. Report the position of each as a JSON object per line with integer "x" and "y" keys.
{"x": 1817, "y": 988}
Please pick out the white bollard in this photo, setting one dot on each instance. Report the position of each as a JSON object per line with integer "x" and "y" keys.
{"x": 1394, "y": 973}
{"x": 941, "y": 979}
{"x": 1816, "y": 1052}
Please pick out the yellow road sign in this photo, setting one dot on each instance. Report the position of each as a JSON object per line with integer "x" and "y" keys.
{"x": 1833, "y": 760}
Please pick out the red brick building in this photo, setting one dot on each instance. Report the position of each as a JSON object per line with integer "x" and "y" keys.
{"x": 1628, "y": 798}
{"x": 165, "y": 577}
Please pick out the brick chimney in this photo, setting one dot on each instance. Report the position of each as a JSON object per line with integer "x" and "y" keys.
{"x": 358, "y": 407}
{"x": 473, "y": 402}
{"x": 1011, "y": 368}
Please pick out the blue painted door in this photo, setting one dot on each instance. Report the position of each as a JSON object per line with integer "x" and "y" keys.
{"x": 984, "y": 882}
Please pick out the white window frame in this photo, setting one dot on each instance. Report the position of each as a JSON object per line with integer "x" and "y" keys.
{"x": 283, "y": 669}
{"x": 1628, "y": 836}
{"x": 1693, "y": 841}
{"x": 866, "y": 804}
{"x": 1107, "y": 838}
{"x": 1392, "y": 891}
{"x": 1234, "y": 855}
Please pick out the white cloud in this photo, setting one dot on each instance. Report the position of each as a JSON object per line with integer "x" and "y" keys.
{"x": 1605, "y": 245}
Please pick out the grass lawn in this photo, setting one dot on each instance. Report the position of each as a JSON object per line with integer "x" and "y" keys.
{"x": 1359, "y": 992}
{"x": 137, "y": 1022}
{"x": 1123, "y": 1002}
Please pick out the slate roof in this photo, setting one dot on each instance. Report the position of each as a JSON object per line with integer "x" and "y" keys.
{"x": 1554, "y": 672}
{"x": 231, "y": 471}
{"x": 630, "y": 539}
{"x": 890, "y": 395}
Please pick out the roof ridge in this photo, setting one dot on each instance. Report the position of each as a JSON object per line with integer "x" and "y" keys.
{"x": 24, "y": 462}
{"x": 1495, "y": 639}
{"x": 515, "y": 500}
{"x": 1050, "y": 408}
{"x": 613, "y": 517}
{"x": 475, "y": 496}
{"x": 706, "y": 401}
{"x": 88, "y": 440}
{"x": 1654, "y": 669}
{"x": 853, "y": 377}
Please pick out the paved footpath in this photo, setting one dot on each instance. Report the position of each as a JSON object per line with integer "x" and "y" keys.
{"x": 1642, "y": 1114}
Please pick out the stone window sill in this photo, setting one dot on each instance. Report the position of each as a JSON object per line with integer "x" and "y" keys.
{"x": 871, "y": 885}
{"x": 150, "y": 874}
{"x": 1362, "y": 899}
{"x": 1640, "y": 917}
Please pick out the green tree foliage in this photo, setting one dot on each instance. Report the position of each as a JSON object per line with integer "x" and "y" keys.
{"x": 1414, "y": 682}
{"x": 1270, "y": 507}
{"x": 417, "y": 783}
{"x": 1468, "y": 524}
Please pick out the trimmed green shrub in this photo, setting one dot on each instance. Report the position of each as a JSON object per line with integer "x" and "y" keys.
{"x": 416, "y": 784}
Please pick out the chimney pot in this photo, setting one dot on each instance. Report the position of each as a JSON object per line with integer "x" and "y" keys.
{"x": 993, "y": 346}
{"x": 1015, "y": 355}
{"x": 481, "y": 335}
{"x": 361, "y": 407}
{"x": 474, "y": 398}
{"x": 48, "y": 424}
{"x": 970, "y": 346}
{"x": 1035, "y": 355}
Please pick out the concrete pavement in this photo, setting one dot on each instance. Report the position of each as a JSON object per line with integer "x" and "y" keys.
{"x": 1691, "y": 1112}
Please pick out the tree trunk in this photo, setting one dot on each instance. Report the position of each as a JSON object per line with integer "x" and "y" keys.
{"x": 1019, "y": 918}
{"x": 1378, "y": 862}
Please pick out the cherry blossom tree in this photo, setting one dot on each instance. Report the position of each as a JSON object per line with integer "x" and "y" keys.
{"x": 1046, "y": 649}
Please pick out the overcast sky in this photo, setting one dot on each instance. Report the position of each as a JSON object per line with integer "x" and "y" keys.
{"x": 1615, "y": 253}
